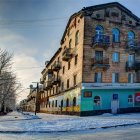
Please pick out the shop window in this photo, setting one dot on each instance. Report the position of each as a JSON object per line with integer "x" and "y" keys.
{"x": 87, "y": 94}
{"x": 74, "y": 101}
{"x": 61, "y": 103}
{"x": 97, "y": 100}
{"x": 130, "y": 99}
{"x": 52, "y": 103}
{"x": 67, "y": 102}
{"x": 55, "y": 103}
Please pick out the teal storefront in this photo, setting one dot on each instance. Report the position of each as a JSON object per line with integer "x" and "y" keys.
{"x": 109, "y": 99}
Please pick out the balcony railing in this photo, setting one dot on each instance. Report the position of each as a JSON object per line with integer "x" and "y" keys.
{"x": 47, "y": 85}
{"x": 56, "y": 66}
{"x": 133, "y": 66}
{"x": 133, "y": 45}
{"x": 55, "y": 80}
{"x": 102, "y": 41}
{"x": 100, "y": 63}
{"x": 67, "y": 54}
{"x": 42, "y": 80}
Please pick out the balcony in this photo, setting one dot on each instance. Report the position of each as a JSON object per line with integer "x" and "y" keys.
{"x": 133, "y": 66}
{"x": 56, "y": 66}
{"x": 102, "y": 63}
{"x": 67, "y": 54}
{"x": 42, "y": 80}
{"x": 47, "y": 85}
{"x": 55, "y": 80}
{"x": 133, "y": 45}
{"x": 101, "y": 41}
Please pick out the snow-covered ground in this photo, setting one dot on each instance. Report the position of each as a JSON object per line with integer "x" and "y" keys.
{"x": 17, "y": 122}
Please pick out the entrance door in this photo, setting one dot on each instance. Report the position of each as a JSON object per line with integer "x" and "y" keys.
{"x": 115, "y": 104}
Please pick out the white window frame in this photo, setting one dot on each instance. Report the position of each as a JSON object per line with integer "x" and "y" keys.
{"x": 116, "y": 57}
{"x": 98, "y": 102}
{"x": 130, "y": 100}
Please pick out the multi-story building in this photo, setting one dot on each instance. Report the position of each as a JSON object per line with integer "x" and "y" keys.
{"x": 97, "y": 67}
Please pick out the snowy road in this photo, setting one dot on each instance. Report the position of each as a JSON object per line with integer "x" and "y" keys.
{"x": 120, "y": 133}
{"x": 46, "y": 126}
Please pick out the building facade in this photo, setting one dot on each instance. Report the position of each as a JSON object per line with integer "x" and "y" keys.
{"x": 97, "y": 67}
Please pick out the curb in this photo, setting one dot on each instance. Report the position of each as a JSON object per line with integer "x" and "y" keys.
{"x": 63, "y": 131}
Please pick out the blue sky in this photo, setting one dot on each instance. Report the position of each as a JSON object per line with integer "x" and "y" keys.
{"x": 32, "y": 30}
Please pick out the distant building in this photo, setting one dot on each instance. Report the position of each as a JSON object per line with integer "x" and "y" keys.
{"x": 97, "y": 67}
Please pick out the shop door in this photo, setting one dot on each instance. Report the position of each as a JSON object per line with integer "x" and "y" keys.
{"x": 115, "y": 104}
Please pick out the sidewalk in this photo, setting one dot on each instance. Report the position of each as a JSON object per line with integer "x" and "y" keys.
{"x": 46, "y": 123}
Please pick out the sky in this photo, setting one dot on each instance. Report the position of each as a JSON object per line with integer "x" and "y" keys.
{"x": 32, "y": 30}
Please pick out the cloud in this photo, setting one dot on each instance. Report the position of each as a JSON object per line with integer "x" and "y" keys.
{"x": 26, "y": 65}
{"x": 27, "y": 69}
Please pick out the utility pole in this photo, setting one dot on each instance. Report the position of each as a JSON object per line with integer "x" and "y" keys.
{"x": 36, "y": 97}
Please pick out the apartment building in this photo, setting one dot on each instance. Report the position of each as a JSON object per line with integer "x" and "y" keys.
{"x": 97, "y": 67}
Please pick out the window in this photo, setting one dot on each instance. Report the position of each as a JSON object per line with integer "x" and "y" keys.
{"x": 97, "y": 101}
{"x": 55, "y": 103}
{"x": 77, "y": 38}
{"x": 61, "y": 103}
{"x": 130, "y": 99}
{"x": 68, "y": 65}
{"x": 131, "y": 35}
{"x": 62, "y": 86}
{"x": 116, "y": 57}
{"x": 63, "y": 69}
{"x": 131, "y": 58}
{"x": 130, "y": 78}
{"x": 53, "y": 90}
{"x": 116, "y": 35}
{"x": 87, "y": 94}
{"x": 50, "y": 91}
{"x": 115, "y": 77}
{"x": 56, "y": 89}
{"x": 74, "y": 101}
{"x": 99, "y": 30}
{"x": 98, "y": 77}
{"x": 76, "y": 59}
{"x": 74, "y": 80}
{"x": 68, "y": 83}
{"x": 67, "y": 102}
{"x": 70, "y": 43}
{"x": 99, "y": 56}
{"x": 52, "y": 103}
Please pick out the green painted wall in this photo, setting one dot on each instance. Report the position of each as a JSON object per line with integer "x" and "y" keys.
{"x": 87, "y": 104}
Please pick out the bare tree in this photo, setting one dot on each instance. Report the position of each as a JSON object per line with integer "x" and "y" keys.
{"x": 8, "y": 84}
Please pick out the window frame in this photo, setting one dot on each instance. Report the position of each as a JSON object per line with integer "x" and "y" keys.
{"x": 116, "y": 57}
{"x": 97, "y": 102}
{"x": 98, "y": 77}
{"x": 130, "y": 99}
{"x": 115, "y": 35}
{"x": 77, "y": 38}
{"x": 115, "y": 77}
